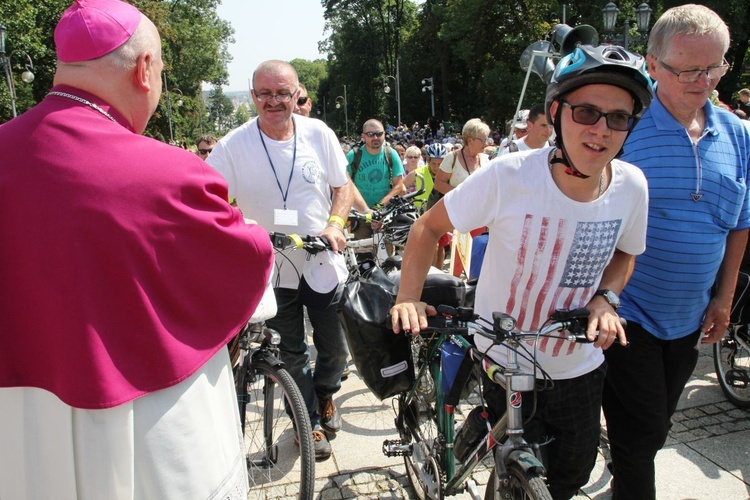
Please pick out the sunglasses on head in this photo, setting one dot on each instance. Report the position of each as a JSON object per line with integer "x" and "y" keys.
{"x": 205, "y": 151}
{"x": 302, "y": 101}
{"x": 374, "y": 134}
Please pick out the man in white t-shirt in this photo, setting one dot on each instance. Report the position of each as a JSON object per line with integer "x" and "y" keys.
{"x": 288, "y": 172}
{"x": 565, "y": 224}
{"x": 538, "y": 132}
{"x": 519, "y": 125}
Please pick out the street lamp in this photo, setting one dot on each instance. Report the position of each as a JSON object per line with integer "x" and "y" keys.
{"x": 642, "y": 18}
{"x": 387, "y": 89}
{"x": 339, "y": 100}
{"x": 428, "y": 86}
{"x": 27, "y": 76}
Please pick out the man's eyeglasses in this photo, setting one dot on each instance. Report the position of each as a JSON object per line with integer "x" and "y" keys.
{"x": 302, "y": 101}
{"x": 205, "y": 151}
{"x": 693, "y": 75}
{"x": 585, "y": 115}
{"x": 270, "y": 97}
{"x": 374, "y": 134}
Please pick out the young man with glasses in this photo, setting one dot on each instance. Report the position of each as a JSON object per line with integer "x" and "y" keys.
{"x": 288, "y": 172}
{"x": 205, "y": 145}
{"x": 377, "y": 178}
{"x": 565, "y": 224}
{"x": 696, "y": 158}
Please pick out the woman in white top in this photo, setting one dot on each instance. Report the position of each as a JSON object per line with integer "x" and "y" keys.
{"x": 459, "y": 165}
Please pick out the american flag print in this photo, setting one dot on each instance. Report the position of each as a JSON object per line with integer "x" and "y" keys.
{"x": 536, "y": 291}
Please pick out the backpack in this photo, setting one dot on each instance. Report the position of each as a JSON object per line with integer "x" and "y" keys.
{"x": 358, "y": 158}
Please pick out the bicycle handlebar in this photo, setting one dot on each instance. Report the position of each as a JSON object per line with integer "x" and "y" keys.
{"x": 312, "y": 244}
{"x": 395, "y": 203}
{"x": 463, "y": 320}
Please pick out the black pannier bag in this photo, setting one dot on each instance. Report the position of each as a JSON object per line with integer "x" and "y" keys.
{"x": 383, "y": 358}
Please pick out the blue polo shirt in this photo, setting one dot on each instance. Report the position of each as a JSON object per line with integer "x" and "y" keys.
{"x": 697, "y": 194}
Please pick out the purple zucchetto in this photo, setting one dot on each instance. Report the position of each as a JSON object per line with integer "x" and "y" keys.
{"x": 90, "y": 29}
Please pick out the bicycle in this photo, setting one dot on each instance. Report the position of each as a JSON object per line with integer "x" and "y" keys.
{"x": 732, "y": 353}
{"x": 425, "y": 413}
{"x": 267, "y": 393}
{"x": 395, "y": 218}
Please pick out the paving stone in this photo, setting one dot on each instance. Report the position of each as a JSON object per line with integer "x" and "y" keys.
{"x": 330, "y": 494}
{"x": 693, "y": 413}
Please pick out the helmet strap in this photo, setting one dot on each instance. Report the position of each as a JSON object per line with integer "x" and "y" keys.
{"x": 570, "y": 169}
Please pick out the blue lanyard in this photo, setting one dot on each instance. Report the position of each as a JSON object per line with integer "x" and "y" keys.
{"x": 294, "y": 158}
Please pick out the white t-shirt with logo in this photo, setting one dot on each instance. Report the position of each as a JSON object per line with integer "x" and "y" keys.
{"x": 319, "y": 165}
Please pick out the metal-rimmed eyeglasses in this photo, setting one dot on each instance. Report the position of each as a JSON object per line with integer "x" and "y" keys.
{"x": 586, "y": 115}
{"x": 693, "y": 75}
{"x": 271, "y": 97}
{"x": 374, "y": 134}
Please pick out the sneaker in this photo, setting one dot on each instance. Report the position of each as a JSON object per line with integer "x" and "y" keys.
{"x": 345, "y": 374}
{"x": 320, "y": 444}
{"x": 330, "y": 418}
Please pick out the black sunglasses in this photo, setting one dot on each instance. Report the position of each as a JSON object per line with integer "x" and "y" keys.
{"x": 205, "y": 151}
{"x": 374, "y": 134}
{"x": 302, "y": 101}
{"x": 585, "y": 115}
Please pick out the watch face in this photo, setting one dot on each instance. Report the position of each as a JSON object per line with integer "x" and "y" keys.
{"x": 612, "y": 298}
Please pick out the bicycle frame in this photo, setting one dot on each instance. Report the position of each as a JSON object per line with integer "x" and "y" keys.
{"x": 508, "y": 430}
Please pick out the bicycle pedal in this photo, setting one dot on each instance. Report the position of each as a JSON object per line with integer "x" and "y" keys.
{"x": 396, "y": 448}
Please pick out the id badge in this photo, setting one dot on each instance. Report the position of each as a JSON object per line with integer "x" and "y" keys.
{"x": 285, "y": 217}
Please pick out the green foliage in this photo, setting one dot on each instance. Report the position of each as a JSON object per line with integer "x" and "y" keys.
{"x": 311, "y": 73}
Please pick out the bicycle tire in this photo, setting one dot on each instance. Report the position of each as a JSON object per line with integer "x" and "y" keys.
{"x": 421, "y": 431}
{"x": 520, "y": 485}
{"x": 271, "y": 437}
{"x": 732, "y": 366}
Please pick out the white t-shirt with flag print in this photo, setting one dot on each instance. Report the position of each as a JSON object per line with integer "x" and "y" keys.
{"x": 545, "y": 250}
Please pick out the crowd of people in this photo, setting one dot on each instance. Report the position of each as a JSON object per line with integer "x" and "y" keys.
{"x": 125, "y": 275}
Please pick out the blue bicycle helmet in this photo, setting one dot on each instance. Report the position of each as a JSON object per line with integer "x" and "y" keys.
{"x": 436, "y": 150}
{"x": 606, "y": 64}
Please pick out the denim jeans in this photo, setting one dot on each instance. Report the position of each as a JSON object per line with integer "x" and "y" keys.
{"x": 329, "y": 341}
{"x": 641, "y": 391}
{"x": 568, "y": 414}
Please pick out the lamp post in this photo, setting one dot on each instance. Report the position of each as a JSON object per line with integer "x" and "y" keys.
{"x": 387, "y": 89}
{"x": 642, "y": 18}
{"x": 168, "y": 99}
{"x": 27, "y": 76}
{"x": 339, "y": 100}
{"x": 321, "y": 110}
{"x": 428, "y": 86}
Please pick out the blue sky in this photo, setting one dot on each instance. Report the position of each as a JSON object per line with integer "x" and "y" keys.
{"x": 284, "y": 29}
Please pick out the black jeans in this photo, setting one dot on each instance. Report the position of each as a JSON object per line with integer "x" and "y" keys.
{"x": 569, "y": 414}
{"x": 641, "y": 391}
{"x": 330, "y": 343}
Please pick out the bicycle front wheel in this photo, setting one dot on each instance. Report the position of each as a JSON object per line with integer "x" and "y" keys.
{"x": 518, "y": 485}
{"x": 279, "y": 448}
{"x": 732, "y": 365}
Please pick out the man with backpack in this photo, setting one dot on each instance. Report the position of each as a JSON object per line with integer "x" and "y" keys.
{"x": 375, "y": 168}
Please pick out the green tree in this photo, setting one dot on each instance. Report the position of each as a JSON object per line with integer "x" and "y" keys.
{"x": 311, "y": 73}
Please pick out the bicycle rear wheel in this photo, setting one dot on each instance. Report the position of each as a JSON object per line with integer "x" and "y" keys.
{"x": 270, "y": 435}
{"x": 732, "y": 365}
{"x": 519, "y": 485}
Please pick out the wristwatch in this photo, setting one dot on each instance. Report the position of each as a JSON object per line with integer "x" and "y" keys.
{"x": 610, "y": 296}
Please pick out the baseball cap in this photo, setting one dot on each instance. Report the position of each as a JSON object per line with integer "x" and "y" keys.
{"x": 520, "y": 121}
{"x": 321, "y": 276}
{"x": 90, "y": 29}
